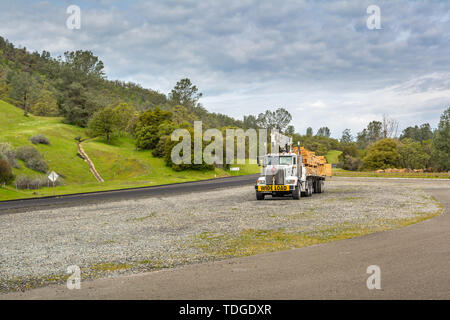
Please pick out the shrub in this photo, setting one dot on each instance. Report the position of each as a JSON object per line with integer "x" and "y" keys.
{"x": 39, "y": 139}
{"x": 6, "y": 175}
{"x": 33, "y": 159}
{"x": 382, "y": 154}
{"x": 183, "y": 166}
{"x": 25, "y": 182}
{"x": 159, "y": 150}
{"x": 7, "y": 153}
{"x": 26, "y": 153}
{"x": 37, "y": 164}
{"x": 351, "y": 163}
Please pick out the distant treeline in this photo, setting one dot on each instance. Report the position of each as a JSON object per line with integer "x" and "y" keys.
{"x": 75, "y": 87}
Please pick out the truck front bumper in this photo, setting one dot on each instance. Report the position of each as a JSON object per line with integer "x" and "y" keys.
{"x": 269, "y": 189}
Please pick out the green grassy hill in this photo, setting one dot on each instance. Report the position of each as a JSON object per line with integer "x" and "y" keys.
{"x": 119, "y": 163}
{"x": 332, "y": 156}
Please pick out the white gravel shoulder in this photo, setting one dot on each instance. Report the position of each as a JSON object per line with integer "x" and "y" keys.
{"x": 39, "y": 244}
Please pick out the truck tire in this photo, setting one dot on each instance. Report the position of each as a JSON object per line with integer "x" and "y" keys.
{"x": 310, "y": 189}
{"x": 318, "y": 186}
{"x": 259, "y": 196}
{"x": 296, "y": 193}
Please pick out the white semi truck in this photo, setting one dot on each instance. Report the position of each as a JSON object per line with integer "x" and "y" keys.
{"x": 294, "y": 172}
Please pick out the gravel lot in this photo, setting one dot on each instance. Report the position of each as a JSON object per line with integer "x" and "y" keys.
{"x": 147, "y": 234}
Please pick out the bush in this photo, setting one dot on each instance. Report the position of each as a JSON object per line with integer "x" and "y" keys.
{"x": 382, "y": 154}
{"x": 351, "y": 163}
{"x": 37, "y": 164}
{"x": 33, "y": 159}
{"x": 6, "y": 175}
{"x": 26, "y": 153}
{"x": 39, "y": 139}
{"x": 7, "y": 153}
{"x": 159, "y": 150}
{"x": 25, "y": 182}
{"x": 183, "y": 166}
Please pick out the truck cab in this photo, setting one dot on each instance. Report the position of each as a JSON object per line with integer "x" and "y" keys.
{"x": 291, "y": 171}
{"x": 282, "y": 174}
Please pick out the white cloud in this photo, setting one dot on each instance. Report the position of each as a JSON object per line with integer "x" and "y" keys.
{"x": 317, "y": 59}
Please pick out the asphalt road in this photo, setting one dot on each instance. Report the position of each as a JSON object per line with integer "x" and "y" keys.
{"x": 77, "y": 200}
{"x": 414, "y": 263}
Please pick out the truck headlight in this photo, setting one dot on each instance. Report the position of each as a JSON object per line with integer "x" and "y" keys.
{"x": 261, "y": 181}
{"x": 291, "y": 181}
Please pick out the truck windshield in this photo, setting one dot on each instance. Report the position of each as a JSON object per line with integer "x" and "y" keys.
{"x": 278, "y": 160}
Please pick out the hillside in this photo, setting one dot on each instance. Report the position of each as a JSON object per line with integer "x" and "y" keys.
{"x": 332, "y": 156}
{"x": 119, "y": 163}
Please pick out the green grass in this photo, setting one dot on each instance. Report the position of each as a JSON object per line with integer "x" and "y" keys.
{"x": 251, "y": 241}
{"x": 119, "y": 163}
{"x": 332, "y": 156}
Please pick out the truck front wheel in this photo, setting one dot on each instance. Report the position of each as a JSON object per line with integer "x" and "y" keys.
{"x": 259, "y": 196}
{"x": 296, "y": 192}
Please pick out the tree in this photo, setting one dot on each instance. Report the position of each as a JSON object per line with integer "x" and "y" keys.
{"x": 45, "y": 105}
{"x": 184, "y": 93}
{"x": 371, "y": 134}
{"x": 8, "y": 153}
{"x": 441, "y": 143}
{"x": 79, "y": 78}
{"x": 346, "y": 136}
{"x": 125, "y": 113}
{"x": 382, "y": 154}
{"x": 6, "y": 175}
{"x": 416, "y": 133}
{"x": 250, "y": 122}
{"x": 390, "y": 127}
{"x": 181, "y": 114}
{"x": 349, "y": 159}
{"x": 105, "y": 122}
{"x": 84, "y": 63}
{"x": 278, "y": 119}
{"x": 323, "y": 132}
{"x": 147, "y": 127}
{"x": 309, "y": 131}
{"x": 349, "y": 149}
{"x": 374, "y": 131}
{"x": 412, "y": 155}
{"x": 290, "y": 130}
{"x": 351, "y": 163}
{"x": 183, "y": 166}
{"x": 24, "y": 89}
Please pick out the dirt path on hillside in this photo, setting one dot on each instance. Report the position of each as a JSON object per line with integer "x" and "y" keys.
{"x": 89, "y": 161}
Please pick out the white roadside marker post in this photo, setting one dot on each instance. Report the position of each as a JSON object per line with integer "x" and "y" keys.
{"x": 53, "y": 176}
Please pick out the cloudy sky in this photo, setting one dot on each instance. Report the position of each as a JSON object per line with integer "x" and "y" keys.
{"x": 318, "y": 59}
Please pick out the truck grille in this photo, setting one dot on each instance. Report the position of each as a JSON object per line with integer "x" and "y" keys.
{"x": 279, "y": 178}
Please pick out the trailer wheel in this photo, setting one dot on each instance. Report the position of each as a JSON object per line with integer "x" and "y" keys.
{"x": 259, "y": 196}
{"x": 296, "y": 192}
{"x": 318, "y": 186}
